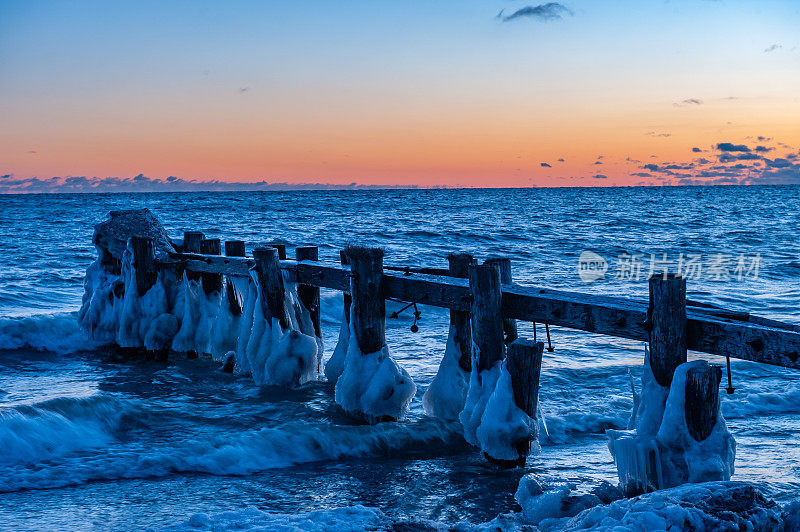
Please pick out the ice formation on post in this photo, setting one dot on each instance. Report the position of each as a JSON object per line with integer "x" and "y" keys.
{"x": 145, "y": 321}
{"x": 505, "y": 430}
{"x": 225, "y": 331}
{"x": 372, "y": 385}
{"x": 481, "y": 386}
{"x": 659, "y": 452}
{"x": 198, "y": 313}
{"x": 335, "y": 364}
{"x": 445, "y": 397}
{"x": 272, "y": 354}
{"x": 112, "y": 309}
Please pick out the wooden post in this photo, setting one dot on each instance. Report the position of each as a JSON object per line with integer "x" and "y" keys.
{"x": 702, "y": 400}
{"x": 369, "y": 307}
{"x": 233, "y": 248}
{"x": 191, "y": 244}
{"x": 309, "y": 295}
{"x": 524, "y": 364}
{"x": 212, "y": 282}
{"x": 281, "y": 249}
{"x": 270, "y": 282}
{"x": 144, "y": 262}
{"x": 487, "y": 315}
{"x": 459, "y": 264}
{"x": 504, "y": 265}
{"x": 348, "y": 299}
{"x": 667, "y": 325}
{"x": 191, "y": 241}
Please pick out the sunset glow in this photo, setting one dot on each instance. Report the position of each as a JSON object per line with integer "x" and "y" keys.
{"x": 395, "y": 93}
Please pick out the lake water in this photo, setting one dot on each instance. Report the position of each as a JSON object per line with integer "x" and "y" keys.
{"x": 89, "y": 440}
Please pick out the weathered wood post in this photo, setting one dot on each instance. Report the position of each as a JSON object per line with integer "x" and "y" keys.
{"x": 281, "y": 249}
{"x": 459, "y": 264}
{"x": 504, "y": 265}
{"x": 369, "y": 306}
{"x": 191, "y": 244}
{"x": 233, "y": 248}
{"x": 348, "y": 299}
{"x": 667, "y": 325}
{"x": 524, "y": 364}
{"x": 270, "y": 280}
{"x": 144, "y": 262}
{"x": 701, "y": 405}
{"x": 309, "y": 295}
{"x": 487, "y": 315}
{"x": 212, "y": 282}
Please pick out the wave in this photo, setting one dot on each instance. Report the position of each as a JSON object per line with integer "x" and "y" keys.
{"x": 33, "y": 434}
{"x": 58, "y": 333}
{"x": 235, "y": 454}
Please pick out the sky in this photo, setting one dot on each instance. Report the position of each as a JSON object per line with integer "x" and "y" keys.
{"x": 445, "y": 93}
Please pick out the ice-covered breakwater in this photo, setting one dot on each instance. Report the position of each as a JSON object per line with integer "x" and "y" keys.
{"x": 260, "y": 316}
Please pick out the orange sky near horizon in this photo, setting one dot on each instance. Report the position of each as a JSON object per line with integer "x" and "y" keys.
{"x": 424, "y": 115}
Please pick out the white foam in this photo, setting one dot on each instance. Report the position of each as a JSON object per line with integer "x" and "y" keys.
{"x": 233, "y": 453}
{"x": 58, "y": 333}
{"x": 447, "y": 393}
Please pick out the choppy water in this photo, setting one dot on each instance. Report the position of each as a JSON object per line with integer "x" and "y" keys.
{"x": 87, "y": 440}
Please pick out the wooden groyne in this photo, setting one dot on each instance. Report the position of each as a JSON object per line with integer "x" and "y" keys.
{"x": 484, "y": 305}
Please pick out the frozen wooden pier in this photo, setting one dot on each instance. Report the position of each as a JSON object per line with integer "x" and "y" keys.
{"x": 484, "y": 305}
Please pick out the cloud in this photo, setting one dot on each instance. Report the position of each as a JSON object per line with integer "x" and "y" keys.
{"x": 735, "y": 164}
{"x": 697, "y": 150}
{"x": 545, "y": 165}
{"x": 688, "y": 101}
{"x": 727, "y": 146}
{"x": 772, "y": 48}
{"x": 561, "y": 160}
{"x": 141, "y": 183}
{"x": 600, "y": 176}
{"x": 243, "y": 89}
{"x": 543, "y": 12}
{"x": 655, "y": 134}
{"x": 598, "y": 162}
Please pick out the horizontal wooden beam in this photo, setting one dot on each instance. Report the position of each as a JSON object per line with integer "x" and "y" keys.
{"x": 709, "y": 329}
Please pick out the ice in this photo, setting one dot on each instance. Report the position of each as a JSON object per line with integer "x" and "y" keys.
{"x": 102, "y": 303}
{"x": 692, "y": 460}
{"x": 481, "y": 386}
{"x": 707, "y": 506}
{"x": 225, "y": 331}
{"x": 273, "y": 354}
{"x": 198, "y": 314}
{"x": 659, "y": 452}
{"x": 372, "y": 385}
{"x": 505, "y": 430}
{"x": 445, "y": 396}
{"x": 335, "y": 365}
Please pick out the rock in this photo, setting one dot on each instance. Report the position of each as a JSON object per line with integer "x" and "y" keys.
{"x": 112, "y": 235}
